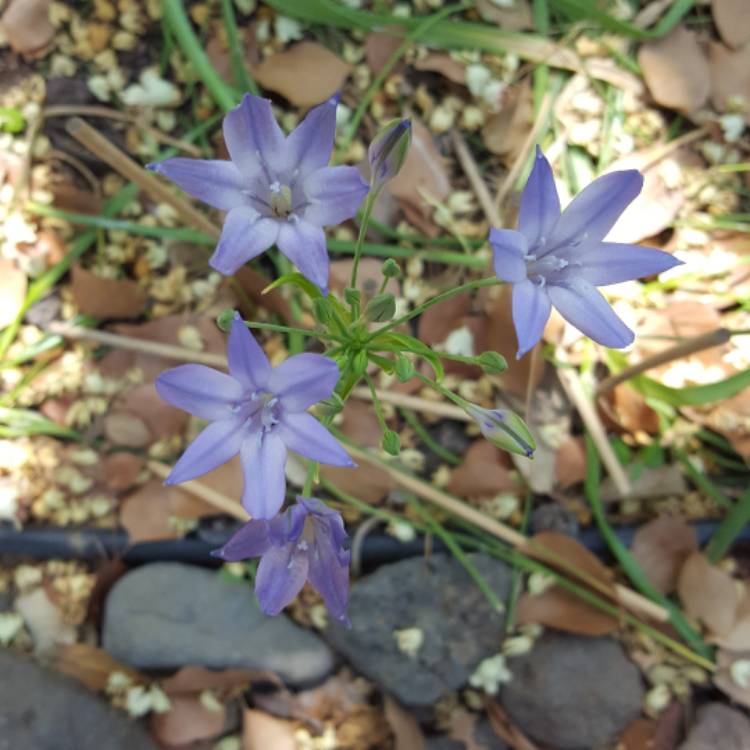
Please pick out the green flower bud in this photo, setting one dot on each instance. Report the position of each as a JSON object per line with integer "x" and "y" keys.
{"x": 352, "y": 296}
{"x": 381, "y": 308}
{"x": 388, "y": 151}
{"x": 331, "y": 405}
{"x": 360, "y": 362}
{"x": 503, "y": 428}
{"x": 391, "y": 443}
{"x": 404, "y": 368}
{"x": 224, "y": 319}
{"x": 492, "y": 363}
{"x": 391, "y": 269}
{"x": 322, "y": 310}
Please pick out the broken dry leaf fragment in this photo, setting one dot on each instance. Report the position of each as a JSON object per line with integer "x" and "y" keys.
{"x": 26, "y": 25}
{"x": 13, "y": 285}
{"x": 106, "y": 298}
{"x": 732, "y": 19}
{"x": 557, "y": 608}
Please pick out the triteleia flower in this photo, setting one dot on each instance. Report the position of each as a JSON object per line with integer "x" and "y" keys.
{"x": 503, "y": 428}
{"x": 306, "y": 542}
{"x": 256, "y": 411}
{"x": 560, "y": 258}
{"x": 276, "y": 189}
{"x": 388, "y": 151}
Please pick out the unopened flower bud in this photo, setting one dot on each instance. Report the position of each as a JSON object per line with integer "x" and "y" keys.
{"x": 492, "y": 363}
{"x": 504, "y": 429}
{"x": 360, "y": 362}
{"x": 381, "y": 308}
{"x": 404, "y": 368}
{"x": 388, "y": 152}
{"x": 391, "y": 269}
{"x": 391, "y": 442}
{"x": 352, "y": 296}
{"x": 224, "y": 319}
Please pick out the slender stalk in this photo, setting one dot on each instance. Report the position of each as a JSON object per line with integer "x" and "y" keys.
{"x": 441, "y": 452}
{"x": 369, "y": 205}
{"x": 239, "y": 70}
{"x": 729, "y": 529}
{"x": 376, "y": 402}
{"x": 702, "y": 481}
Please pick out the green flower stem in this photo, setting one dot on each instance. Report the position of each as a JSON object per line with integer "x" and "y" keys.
{"x": 422, "y": 239}
{"x": 629, "y": 564}
{"x": 369, "y": 205}
{"x": 292, "y": 330}
{"x": 380, "y": 250}
{"x": 376, "y": 402}
{"x": 179, "y": 24}
{"x": 467, "y": 287}
{"x": 239, "y": 70}
{"x": 385, "y": 71}
{"x": 442, "y": 390}
{"x": 313, "y": 466}
{"x": 413, "y": 421}
{"x": 729, "y": 529}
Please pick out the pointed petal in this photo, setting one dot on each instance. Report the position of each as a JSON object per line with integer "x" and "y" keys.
{"x": 531, "y": 309}
{"x": 218, "y": 183}
{"x": 213, "y": 447}
{"x": 305, "y": 245}
{"x": 303, "y": 434}
{"x": 334, "y": 194}
{"x": 540, "y": 206}
{"x": 263, "y": 455}
{"x": 287, "y": 526}
{"x": 613, "y": 262}
{"x": 199, "y": 390}
{"x": 583, "y": 306}
{"x": 508, "y": 250}
{"x": 247, "y": 360}
{"x": 593, "y": 212}
{"x": 244, "y": 236}
{"x": 253, "y": 137}
{"x": 327, "y": 575}
{"x": 281, "y": 574}
{"x": 250, "y": 541}
{"x": 303, "y": 380}
{"x": 310, "y": 144}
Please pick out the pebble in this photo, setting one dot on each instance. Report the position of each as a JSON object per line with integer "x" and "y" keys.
{"x": 573, "y": 692}
{"x": 432, "y": 604}
{"x": 718, "y": 726}
{"x": 169, "y": 615}
{"x": 42, "y": 710}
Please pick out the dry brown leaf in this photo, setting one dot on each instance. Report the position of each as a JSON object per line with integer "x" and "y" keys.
{"x": 188, "y": 720}
{"x": 27, "y": 27}
{"x": 730, "y": 76}
{"x": 306, "y": 74}
{"x": 13, "y": 284}
{"x": 661, "y": 547}
{"x": 732, "y": 20}
{"x": 660, "y": 482}
{"x": 443, "y": 63}
{"x": 92, "y": 666}
{"x": 439, "y": 321}
{"x": 406, "y": 730}
{"x": 676, "y": 70}
{"x": 629, "y": 411}
{"x": 379, "y": 46}
{"x": 505, "y": 132}
{"x": 106, "y": 298}
{"x": 69, "y": 197}
{"x": 570, "y": 462}
{"x": 462, "y": 726}
{"x": 483, "y": 473}
{"x": 559, "y": 609}
{"x": 423, "y": 173}
{"x": 730, "y": 418}
{"x": 638, "y": 735}
{"x": 193, "y": 679}
{"x": 162, "y": 419}
{"x": 516, "y": 17}
{"x": 127, "y": 430}
{"x": 263, "y": 732}
{"x": 708, "y": 593}
{"x": 119, "y": 471}
{"x": 726, "y": 682}
{"x": 369, "y": 277}
{"x": 253, "y": 284}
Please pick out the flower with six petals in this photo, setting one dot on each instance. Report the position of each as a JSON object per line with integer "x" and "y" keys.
{"x": 276, "y": 189}
{"x": 558, "y": 259}
{"x": 256, "y": 411}
{"x": 305, "y": 542}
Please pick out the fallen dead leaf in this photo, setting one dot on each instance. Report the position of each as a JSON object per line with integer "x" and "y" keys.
{"x": 253, "y": 284}
{"x": 120, "y": 471}
{"x": 162, "y": 419}
{"x": 45, "y": 622}
{"x": 676, "y": 70}
{"x": 439, "y": 321}
{"x": 106, "y": 298}
{"x": 263, "y": 732}
{"x": 369, "y": 277}
{"x": 406, "y": 730}
{"x": 708, "y": 593}
{"x": 570, "y": 463}
{"x": 730, "y": 76}
{"x": 661, "y": 547}
{"x": 730, "y": 418}
{"x": 505, "y": 132}
{"x": 462, "y": 726}
{"x": 738, "y": 637}
{"x": 194, "y": 679}
{"x": 732, "y": 20}
{"x": 559, "y": 609}
{"x": 725, "y": 680}
{"x": 443, "y": 63}
{"x": 483, "y": 473}
{"x": 306, "y": 74}
{"x": 13, "y": 285}
{"x": 505, "y": 729}
{"x": 187, "y": 721}
{"x": 127, "y": 430}
{"x": 27, "y": 26}
{"x": 379, "y": 46}
{"x": 92, "y": 666}
{"x": 638, "y": 735}
{"x": 628, "y": 410}
{"x": 663, "y": 481}
{"x": 515, "y": 17}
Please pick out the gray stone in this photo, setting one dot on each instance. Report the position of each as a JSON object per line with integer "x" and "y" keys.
{"x": 436, "y": 596}
{"x": 483, "y": 737}
{"x": 718, "y": 726}
{"x": 167, "y": 615}
{"x": 42, "y": 710}
{"x": 573, "y": 692}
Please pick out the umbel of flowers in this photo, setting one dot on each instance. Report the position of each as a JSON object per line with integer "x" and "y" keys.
{"x": 280, "y": 190}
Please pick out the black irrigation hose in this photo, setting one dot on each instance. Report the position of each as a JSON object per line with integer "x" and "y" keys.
{"x": 92, "y": 544}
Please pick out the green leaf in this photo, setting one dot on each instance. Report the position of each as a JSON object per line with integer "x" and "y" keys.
{"x": 11, "y": 120}
{"x": 20, "y": 422}
{"x": 298, "y": 280}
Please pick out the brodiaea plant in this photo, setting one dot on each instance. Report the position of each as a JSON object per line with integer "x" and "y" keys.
{"x": 279, "y": 190}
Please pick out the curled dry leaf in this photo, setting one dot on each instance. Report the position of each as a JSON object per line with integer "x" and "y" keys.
{"x": 306, "y": 74}
{"x": 732, "y": 20}
{"x": 193, "y": 679}
{"x": 505, "y": 132}
{"x": 629, "y": 411}
{"x": 120, "y": 471}
{"x": 406, "y": 730}
{"x": 379, "y": 46}
{"x": 13, "y": 284}
{"x": 730, "y": 76}
{"x": 559, "y": 609}
{"x": 708, "y": 593}
{"x": 738, "y": 637}
{"x": 443, "y": 63}
{"x": 731, "y": 676}
{"x": 92, "y": 666}
{"x": 106, "y": 298}
{"x": 570, "y": 462}
{"x": 263, "y": 732}
{"x": 676, "y": 70}
{"x": 661, "y": 547}
{"x": 188, "y": 720}
{"x": 483, "y": 473}
{"x": 27, "y": 26}
{"x": 161, "y": 418}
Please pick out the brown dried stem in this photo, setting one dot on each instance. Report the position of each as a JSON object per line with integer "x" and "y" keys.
{"x": 478, "y": 184}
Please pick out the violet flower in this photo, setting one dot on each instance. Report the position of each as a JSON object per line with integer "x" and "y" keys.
{"x": 559, "y": 259}
{"x": 306, "y": 542}
{"x": 276, "y": 189}
{"x": 256, "y": 411}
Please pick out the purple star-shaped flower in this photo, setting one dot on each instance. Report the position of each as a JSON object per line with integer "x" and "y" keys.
{"x": 306, "y": 542}
{"x": 256, "y": 411}
{"x": 276, "y": 189}
{"x": 560, "y": 258}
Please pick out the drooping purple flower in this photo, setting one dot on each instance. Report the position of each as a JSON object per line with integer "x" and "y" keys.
{"x": 307, "y": 542}
{"x": 560, "y": 258}
{"x": 277, "y": 189}
{"x": 256, "y": 411}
